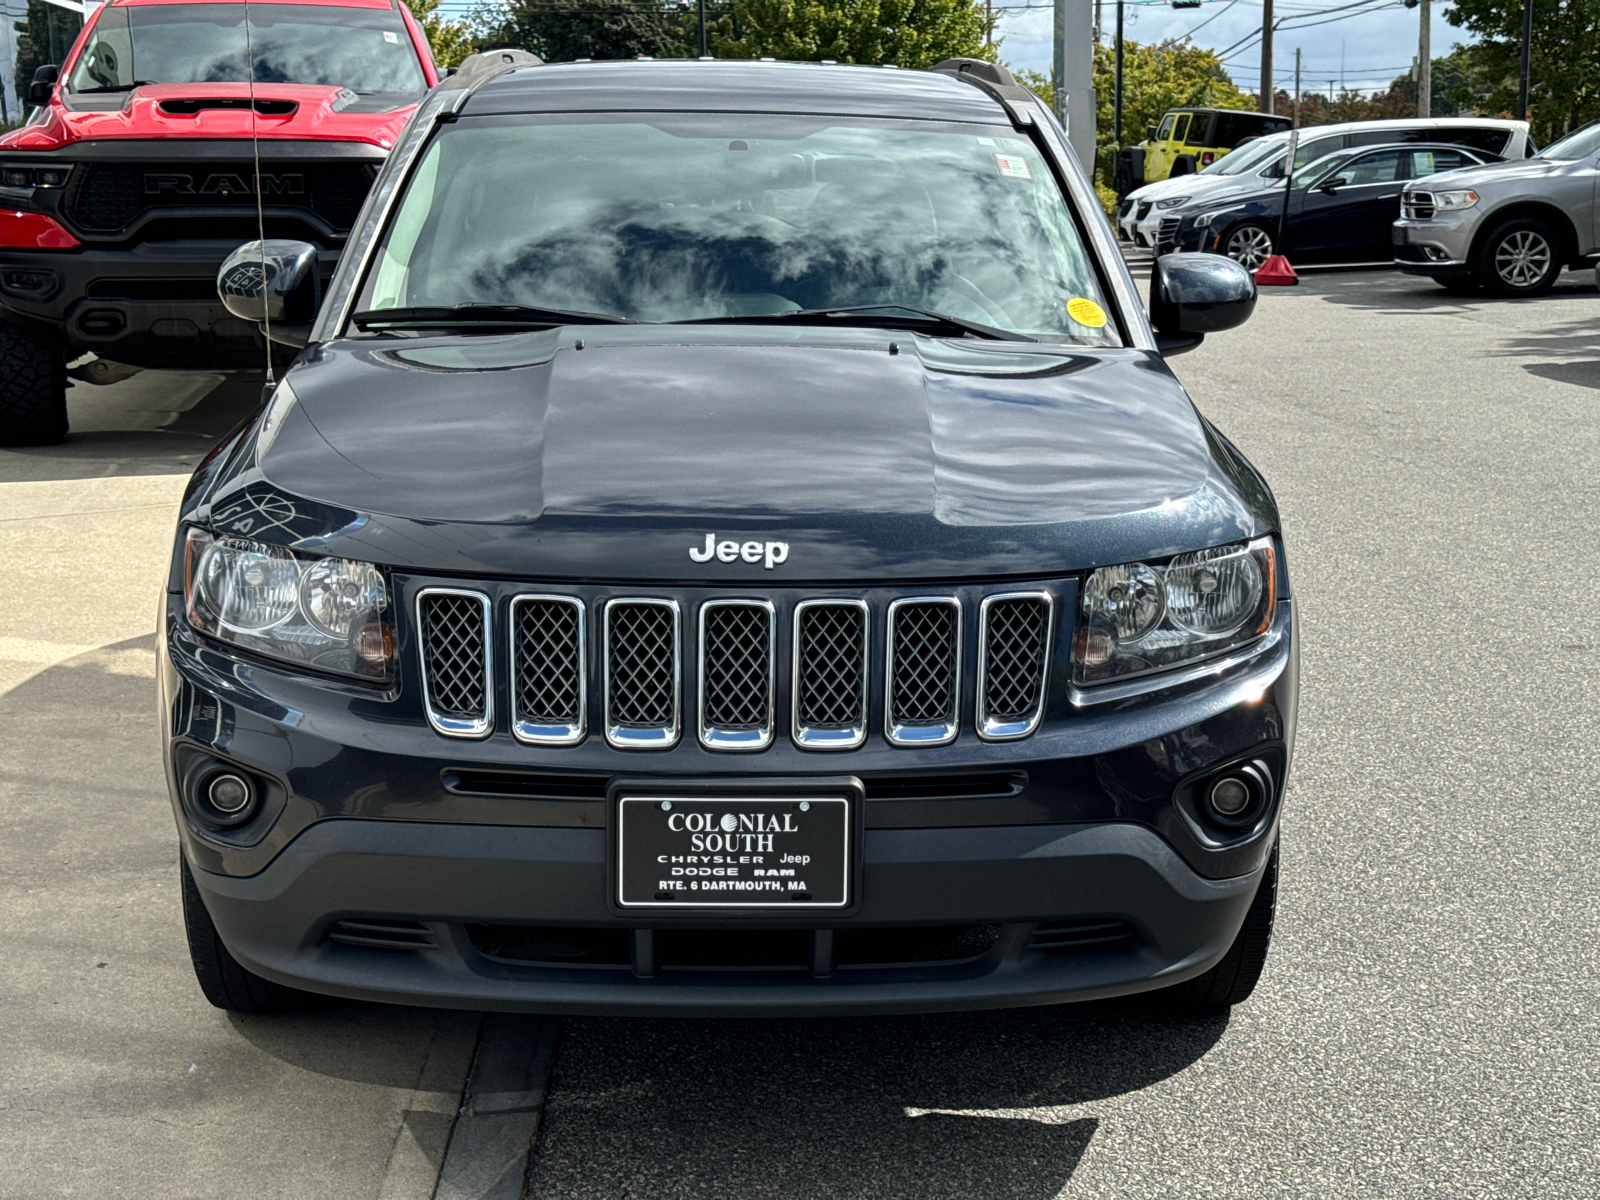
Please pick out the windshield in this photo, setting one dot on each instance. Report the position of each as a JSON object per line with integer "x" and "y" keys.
{"x": 1244, "y": 158}
{"x": 364, "y": 49}
{"x": 1580, "y": 143}
{"x": 731, "y": 216}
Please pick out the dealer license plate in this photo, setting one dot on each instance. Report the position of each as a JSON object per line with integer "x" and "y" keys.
{"x": 734, "y": 851}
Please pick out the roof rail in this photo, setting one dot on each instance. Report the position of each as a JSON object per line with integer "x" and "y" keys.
{"x": 996, "y": 81}
{"x": 478, "y": 69}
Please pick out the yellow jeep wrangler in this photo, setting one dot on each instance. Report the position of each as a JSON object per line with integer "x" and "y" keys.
{"x": 1206, "y": 134}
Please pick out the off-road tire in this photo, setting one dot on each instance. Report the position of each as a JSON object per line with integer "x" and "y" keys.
{"x": 1232, "y": 980}
{"x": 33, "y": 389}
{"x": 1515, "y": 250}
{"x": 1250, "y": 244}
{"x": 225, "y": 983}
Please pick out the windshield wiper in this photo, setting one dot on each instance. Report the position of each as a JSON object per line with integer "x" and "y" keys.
{"x": 113, "y": 87}
{"x": 881, "y": 316}
{"x": 480, "y": 312}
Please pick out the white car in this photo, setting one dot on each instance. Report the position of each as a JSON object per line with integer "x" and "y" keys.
{"x": 1139, "y": 215}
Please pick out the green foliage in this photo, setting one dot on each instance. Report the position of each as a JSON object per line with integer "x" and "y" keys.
{"x": 1453, "y": 84}
{"x": 451, "y": 41}
{"x": 1565, "y": 70}
{"x": 909, "y": 33}
{"x": 562, "y": 30}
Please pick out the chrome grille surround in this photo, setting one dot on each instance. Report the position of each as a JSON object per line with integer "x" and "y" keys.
{"x": 920, "y": 708}
{"x": 828, "y": 707}
{"x": 642, "y": 694}
{"x": 737, "y": 670}
{"x": 1417, "y": 206}
{"x": 1016, "y": 633}
{"x": 457, "y": 696}
{"x": 549, "y": 655}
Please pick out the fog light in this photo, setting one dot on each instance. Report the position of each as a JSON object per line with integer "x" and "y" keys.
{"x": 1229, "y": 796}
{"x": 230, "y": 794}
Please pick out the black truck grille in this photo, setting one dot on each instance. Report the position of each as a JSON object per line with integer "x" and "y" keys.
{"x": 109, "y": 196}
{"x": 736, "y": 653}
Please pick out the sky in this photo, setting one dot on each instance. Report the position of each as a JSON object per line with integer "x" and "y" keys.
{"x": 1366, "y": 46}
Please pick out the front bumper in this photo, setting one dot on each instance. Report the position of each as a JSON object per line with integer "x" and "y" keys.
{"x": 1440, "y": 247}
{"x": 1088, "y": 876}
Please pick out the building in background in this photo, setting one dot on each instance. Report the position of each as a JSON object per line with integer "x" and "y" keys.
{"x": 34, "y": 32}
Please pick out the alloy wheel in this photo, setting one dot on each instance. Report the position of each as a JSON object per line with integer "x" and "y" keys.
{"x": 1522, "y": 259}
{"x": 1249, "y": 246}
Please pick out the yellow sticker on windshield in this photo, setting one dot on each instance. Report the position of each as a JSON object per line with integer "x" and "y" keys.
{"x": 1086, "y": 312}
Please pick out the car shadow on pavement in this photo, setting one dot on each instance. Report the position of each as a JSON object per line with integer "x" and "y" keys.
{"x": 1380, "y": 289}
{"x": 969, "y": 1104}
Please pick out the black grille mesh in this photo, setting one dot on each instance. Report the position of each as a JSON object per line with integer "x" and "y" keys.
{"x": 1013, "y": 649}
{"x": 453, "y": 651}
{"x": 831, "y": 666}
{"x": 107, "y": 196}
{"x": 548, "y": 667}
{"x": 924, "y": 639}
{"x": 738, "y": 666}
{"x": 641, "y": 668}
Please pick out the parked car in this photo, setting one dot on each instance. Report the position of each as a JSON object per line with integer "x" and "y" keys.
{"x": 1200, "y": 135}
{"x": 136, "y": 176}
{"x": 1341, "y": 208}
{"x": 782, "y": 576}
{"x": 1140, "y": 214}
{"x": 1507, "y": 227}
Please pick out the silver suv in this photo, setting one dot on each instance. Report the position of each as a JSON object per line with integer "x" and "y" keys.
{"x": 1508, "y": 227}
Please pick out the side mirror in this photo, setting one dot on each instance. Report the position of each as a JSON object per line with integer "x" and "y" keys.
{"x": 1328, "y": 186}
{"x": 273, "y": 284}
{"x": 1150, "y": 132}
{"x": 1192, "y": 295}
{"x": 44, "y": 84}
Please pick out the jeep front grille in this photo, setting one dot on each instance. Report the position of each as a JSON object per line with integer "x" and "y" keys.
{"x": 549, "y": 699}
{"x": 830, "y": 674}
{"x": 456, "y": 671}
{"x": 923, "y": 671}
{"x": 1013, "y": 663}
{"x": 737, "y": 642}
{"x": 643, "y": 663}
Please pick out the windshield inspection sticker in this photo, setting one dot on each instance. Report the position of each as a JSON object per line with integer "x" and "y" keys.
{"x": 1086, "y": 312}
{"x": 1013, "y": 166}
{"x": 391, "y": 37}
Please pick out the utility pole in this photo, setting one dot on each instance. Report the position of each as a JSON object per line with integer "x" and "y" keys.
{"x": 703, "y": 52}
{"x": 1074, "y": 76}
{"x": 1297, "y": 87}
{"x": 1266, "y": 97}
{"x": 1116, "y": 98}
{"x": 1424, "y": 62}
{"x": 1527, "y": 53}
{"x": 988, "y": 22}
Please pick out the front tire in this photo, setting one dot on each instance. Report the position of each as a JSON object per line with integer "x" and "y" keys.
{"x": 1232, "y": 980}
{"x": 1519, "y": 258}
{"x": 1249, "y": 244}
{"x": 33, "y": 389}
{"x": 225, "y": 983}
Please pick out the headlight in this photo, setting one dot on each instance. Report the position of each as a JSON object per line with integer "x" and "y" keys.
{"x": 326, "y": 613}
{"x": 1201, "y": 220}
{"x": 1138, "y": 617}
{"x": 1443, "y": 201}
{"x": 1173, "y": 203}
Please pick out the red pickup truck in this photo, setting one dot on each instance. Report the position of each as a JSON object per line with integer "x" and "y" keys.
{"x": 136, "y": 176}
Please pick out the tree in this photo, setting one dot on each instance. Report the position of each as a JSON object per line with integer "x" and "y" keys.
{"x": 451, "y": 41}
{"x": 908, "y": 33}
{"x": 1452, "y": 82}
{"x": 1564, "y": 77}
{"x": 562, "y": 30}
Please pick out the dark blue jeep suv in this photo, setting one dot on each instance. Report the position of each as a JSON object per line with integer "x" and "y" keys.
{"x": 730, "y": 544}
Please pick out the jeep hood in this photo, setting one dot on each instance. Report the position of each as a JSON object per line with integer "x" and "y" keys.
{"x": 610, "y": 451}
{"x": 215, "y": 110}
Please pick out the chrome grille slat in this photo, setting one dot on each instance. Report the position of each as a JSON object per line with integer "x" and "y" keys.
{"x": 923, "y": 671}
{"x": 1014, "y": 637}
{"x": 549, "y": 670}
{"x": 643, "y": 663}
{"x": 829, "y": 688}
{"x": 736, "y": 674}
{"x": 453, "y": 627}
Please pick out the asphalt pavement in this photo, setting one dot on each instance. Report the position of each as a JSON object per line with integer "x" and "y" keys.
{"x": 1428, "y": 1024}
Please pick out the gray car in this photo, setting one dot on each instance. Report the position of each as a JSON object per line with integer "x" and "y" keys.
{"x": 1508, "y": 227}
